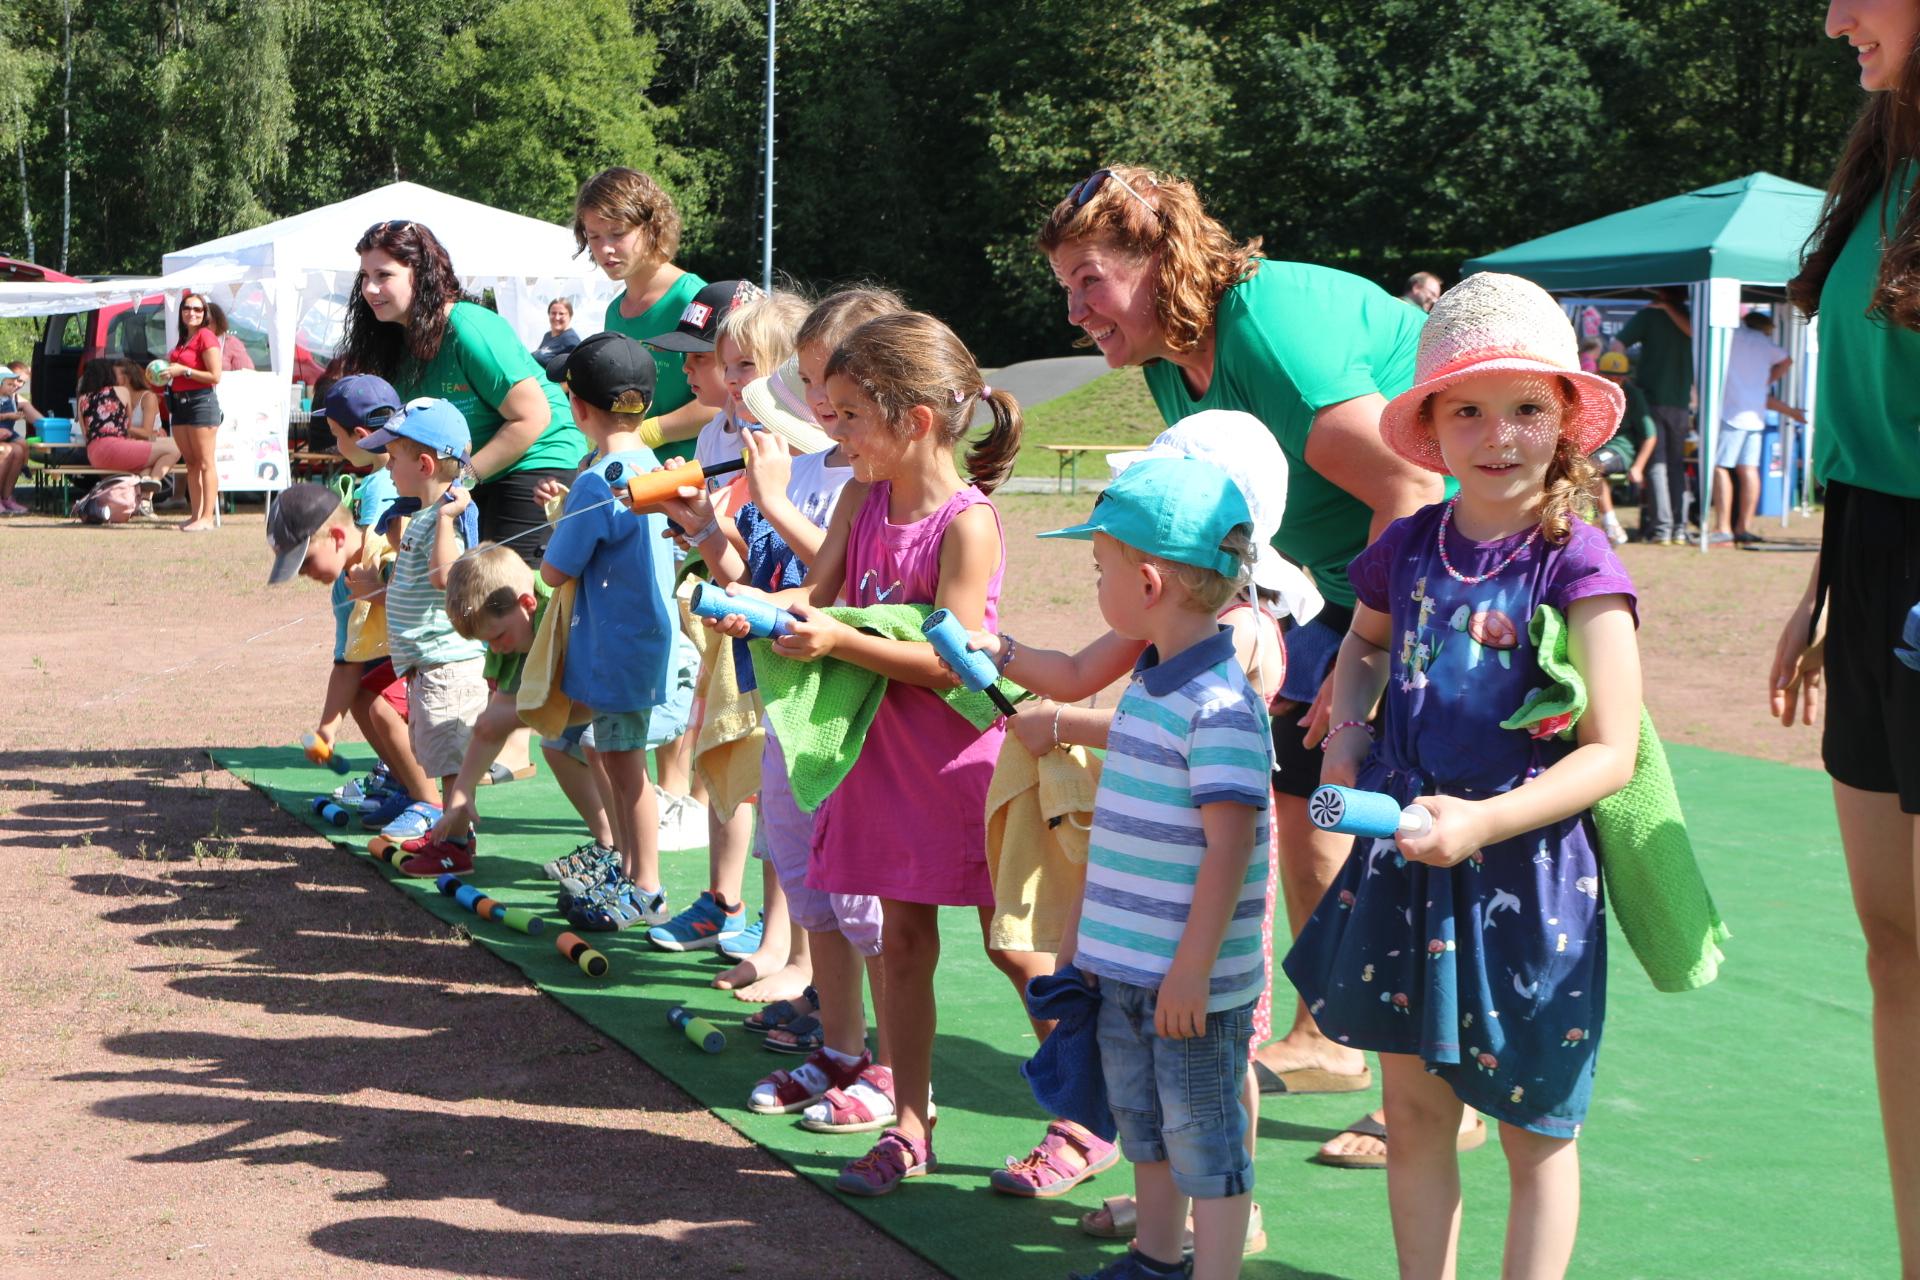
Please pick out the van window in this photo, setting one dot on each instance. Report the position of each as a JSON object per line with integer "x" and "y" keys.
{"x": 139, "y": 333}
{"x": 67, "y": 333}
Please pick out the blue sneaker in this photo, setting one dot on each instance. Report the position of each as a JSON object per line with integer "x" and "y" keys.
{"x": 412, "y": 822}
{"x": 375, "y": 815}
{"x": 1134, "y": 1265}
{"x": 740, "y": 945}
{"x": 699, "y": 926}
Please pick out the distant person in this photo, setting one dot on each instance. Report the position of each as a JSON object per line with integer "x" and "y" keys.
{"x": 120, "y": 425}
{"x": 1754, "y": 365}
{"x": 194, "y": 368}
{"x": 1590, "y": 349}
{"x": 1423, "y": 290}
{"x": 560, "y": 337}
{"x": 1664, "y": 333}
{"x": 17, "y": 417}
{"x": 1630, "y": 447}
{"x": 233, "y": 352}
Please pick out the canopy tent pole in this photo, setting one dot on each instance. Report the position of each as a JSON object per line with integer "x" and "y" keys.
{"x": 1716, "y": 313}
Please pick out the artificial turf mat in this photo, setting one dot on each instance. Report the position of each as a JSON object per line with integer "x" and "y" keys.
{"x": 1734, "y": 1130}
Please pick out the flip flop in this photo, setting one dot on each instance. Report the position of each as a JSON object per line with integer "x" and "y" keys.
{"x": 498, "y": 774}
{"x": 1311, "y": 1080}
{"x": 1368, "y": 1127}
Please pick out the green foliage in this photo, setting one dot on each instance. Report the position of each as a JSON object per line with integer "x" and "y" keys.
{"x": 1114, "y": 408}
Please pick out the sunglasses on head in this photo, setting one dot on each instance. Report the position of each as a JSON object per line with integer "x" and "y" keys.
{"x": 1081, "y": 193}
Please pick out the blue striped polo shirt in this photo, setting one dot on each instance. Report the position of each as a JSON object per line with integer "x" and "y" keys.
{"x": 1189, "y": 731}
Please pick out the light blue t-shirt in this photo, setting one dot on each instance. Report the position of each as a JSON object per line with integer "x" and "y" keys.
{"x": 620, "y": 647}
{"x": 370, "y": 501}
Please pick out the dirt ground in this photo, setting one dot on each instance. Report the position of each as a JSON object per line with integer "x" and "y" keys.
{"x": 230, "y": 1051}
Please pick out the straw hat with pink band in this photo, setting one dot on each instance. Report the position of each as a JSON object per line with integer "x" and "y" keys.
{"x": 1493, "y": 323}
{"x": 778, "y": 404}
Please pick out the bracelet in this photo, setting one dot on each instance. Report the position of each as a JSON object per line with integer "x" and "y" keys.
{"x": 705, "y": 531}
{"x": 1327, "y": 741}
{"x": 1057, "y": 709}
{"x": 650, "y": 433}
{"x": 1008, "y": 647}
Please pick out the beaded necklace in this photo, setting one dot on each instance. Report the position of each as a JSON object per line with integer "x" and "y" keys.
{"x": 1446, "y": 519}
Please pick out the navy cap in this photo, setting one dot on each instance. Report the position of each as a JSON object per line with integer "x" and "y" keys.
{"x": 297, "y": 514}
{"x": 360, "y": 400}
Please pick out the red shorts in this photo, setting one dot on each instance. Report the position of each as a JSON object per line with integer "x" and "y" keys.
{"x": 381, "y": 678}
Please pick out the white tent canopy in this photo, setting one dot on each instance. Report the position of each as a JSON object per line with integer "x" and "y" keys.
{"x": 46, "y": 298}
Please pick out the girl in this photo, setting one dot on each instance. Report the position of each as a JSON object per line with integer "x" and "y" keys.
{"x": 194, "y": 408}
{"x": 120, "y": 424}
{"x": 903, "y": 390}
{"x": 1473, "y": 958}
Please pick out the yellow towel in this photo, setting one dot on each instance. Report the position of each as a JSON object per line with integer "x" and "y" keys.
{"x": 367, "y": 624}
{"x": 1038, "y": 816}
{"x": 727, "y": 751}
{"x": 542, "y": 705}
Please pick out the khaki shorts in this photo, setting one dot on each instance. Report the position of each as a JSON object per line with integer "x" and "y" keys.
{"x": 443, "y": 701}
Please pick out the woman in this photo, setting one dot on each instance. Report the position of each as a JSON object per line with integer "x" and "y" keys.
{"x": 407, "y": 322}
{"x": 120, "y": 425}
{"x": 194, "y": 408}
{"x": 1153, "y": 280}
{"x": 234, "y": 357}
{"x": 1862, "y": 277}
{"x": 560, "y": 338}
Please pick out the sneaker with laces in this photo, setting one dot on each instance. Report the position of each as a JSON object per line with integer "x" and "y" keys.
{"x": 743, "y": 943}
{"x": 699, "y": 926}
{"x": 683, "y": 823}
{"x": 375, "y": 814}
{"x": 412, "y": 822}
{"x": 429, "y": 857}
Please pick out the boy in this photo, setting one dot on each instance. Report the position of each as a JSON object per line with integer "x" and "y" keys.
{"x": 426, "y": 443}
{"x": 1630, "y": 449}
{"x": 1169, "y": 921}
{"x": 620, "y": 646}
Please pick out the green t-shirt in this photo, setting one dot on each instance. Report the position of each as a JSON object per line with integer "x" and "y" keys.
{"x": 1636, "y": 424}
{"x": 1291, "y": 340}
{"x": 670, "y": 383}
{"x": 1665, "y": 370}
{"x": 1868, "y": 393}
{"x": 480, "y": 359}
{"x": 503, "y": 670}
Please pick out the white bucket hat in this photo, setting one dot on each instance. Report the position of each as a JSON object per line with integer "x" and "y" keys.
{"x": 779, "y": 405}
{"x": 1240, "y": 445}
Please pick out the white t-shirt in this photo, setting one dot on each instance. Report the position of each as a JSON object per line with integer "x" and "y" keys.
{"x": 1743, "y": 401}
{"x": 814, "y": 487}
{"x": 719, "y": 441}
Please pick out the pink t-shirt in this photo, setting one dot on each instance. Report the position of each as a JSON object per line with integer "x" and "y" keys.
{"x": 192, "y": 353}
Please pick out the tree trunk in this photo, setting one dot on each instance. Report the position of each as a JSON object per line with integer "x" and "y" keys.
{"x": 20, "y": 150}
{"x": 66, "y": 135}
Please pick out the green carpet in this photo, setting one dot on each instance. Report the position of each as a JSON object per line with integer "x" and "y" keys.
{"x": 1733, "y": 1132}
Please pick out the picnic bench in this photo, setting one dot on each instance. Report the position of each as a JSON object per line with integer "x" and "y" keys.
{"x": 47, "y": 476}
{"x": 1068, "y": 456}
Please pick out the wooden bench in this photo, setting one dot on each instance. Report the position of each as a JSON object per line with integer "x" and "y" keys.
{"x": 66, "y": 476}
{"x": 1069, "y": 458}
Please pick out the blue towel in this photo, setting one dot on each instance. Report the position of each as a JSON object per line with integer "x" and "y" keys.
{"x": 1065, "y": 1074}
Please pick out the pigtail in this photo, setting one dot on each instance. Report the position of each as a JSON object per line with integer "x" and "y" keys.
{"x": 990, "y": 460}
{"x": 1572, "y": 481}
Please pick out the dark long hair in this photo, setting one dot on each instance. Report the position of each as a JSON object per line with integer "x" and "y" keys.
{"x": 377, "y": 346}
{"x": 1885, "y": 137}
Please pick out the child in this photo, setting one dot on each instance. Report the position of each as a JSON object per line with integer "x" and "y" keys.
{"x": 425, "y": 444}
{"x": 1473, "y": 958}
{"x": 1631, "y": 447}
{"x": 907, "y": 824}
{"x": 620, "y": 644}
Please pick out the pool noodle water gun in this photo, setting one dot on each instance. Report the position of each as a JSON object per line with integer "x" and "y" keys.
{"x": 575, "y": 948}
{"x": 1350, "y": 812}
{"x": 975, "y": 669}
{"x": 320, "y": 751}
{"x": 649, "y": 489}
{"x": 329, "y": 811}
{"x": 764, "y": 620}
{"x": 518, "y": 918}
{"x": 702, "y": 1033}
{"x": 381, "y": 849}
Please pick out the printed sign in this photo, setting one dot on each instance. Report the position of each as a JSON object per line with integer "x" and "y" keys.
{"x": 251, "y": 450}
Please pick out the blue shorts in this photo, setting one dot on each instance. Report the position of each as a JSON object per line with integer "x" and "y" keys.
{"x": 620, "y": 730}
{"x": 670, "y": 717}
{"x": 575, "y": 742}
{"x": 1735, "y": 447}
{"x": 1178, "y": 1100}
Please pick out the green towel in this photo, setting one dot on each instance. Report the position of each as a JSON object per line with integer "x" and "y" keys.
{"x": 820, "y": 711}
{"x": 1653, "y": 881}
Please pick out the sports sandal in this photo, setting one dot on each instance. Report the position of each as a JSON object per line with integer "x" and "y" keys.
{"x": 499, "y": 774}
{"x": 587, "y": 856}
{"x": 893, "y": 1160}
{"x": 616, "y": 908}
{"x": 1046, "y": 1171}
{"x": 785, "y": 1092}
{"x": 778, "y": 1014}
{"x": 804, "y": 1035}
{"x": 863, "y": 1106}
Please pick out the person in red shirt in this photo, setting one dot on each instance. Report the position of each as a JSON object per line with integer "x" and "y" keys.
{"x": 194, "y": 369}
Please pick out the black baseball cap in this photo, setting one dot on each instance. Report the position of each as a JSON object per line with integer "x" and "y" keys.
{"x": 610, "y": 371}
{"x": 299, "y": 513}
{"x": 699, "y": 326}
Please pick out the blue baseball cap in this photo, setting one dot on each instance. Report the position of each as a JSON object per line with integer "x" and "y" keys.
{"x": 1180, "y": 509}
{"x": 434, "y": 425}
{"x": 360, "y": 400}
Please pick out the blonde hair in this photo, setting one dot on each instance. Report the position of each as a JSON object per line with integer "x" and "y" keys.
{"x": 447, "y": 469}
{"x": 1197, "y": 261}
{"x": 913, "y": 359}
{"x": 841, "y": 312}
{"x": 764, "y": 329}
{"x": 1205, "y": 590}
{"x": 630, "y": 198}
{"x": 1572, "y": 480}
{"x": 486, "y": 582}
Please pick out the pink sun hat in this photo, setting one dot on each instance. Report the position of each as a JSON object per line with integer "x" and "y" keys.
{"x": 1493, "y": 323}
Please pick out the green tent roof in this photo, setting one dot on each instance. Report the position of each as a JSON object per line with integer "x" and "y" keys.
{"x": 1751, "y": 229}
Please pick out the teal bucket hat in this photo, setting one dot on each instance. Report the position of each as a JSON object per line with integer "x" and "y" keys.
{"x": 1180, "y": 509}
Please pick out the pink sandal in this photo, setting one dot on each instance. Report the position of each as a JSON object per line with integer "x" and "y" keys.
{"x": 793, "y": 1091}
{"x": 894, "y": 1159}
{"x": 841, "y": 1110}
{"x": 1045, "y": 1172}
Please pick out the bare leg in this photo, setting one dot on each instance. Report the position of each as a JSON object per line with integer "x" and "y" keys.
{"x": 13, "y": 457}
{"x": 836, "y": 975}
{"x": 782, "y": 966}
{"x": 910, "y": 934}
{"x": 1543, "y": 1213}
{"x": 728, "y": 840}
{"x": 517, "y": 752}
{"x": 1722, "y": 500}
{"x": 1161, "y": 1213}
{"x": 674, "y": 760}
{"x": 1423, "y": 1169}
{"x": 576, "y": 782}
{"x": 634, "y": 807}
{"x": 876, "y": 990}
{"x": 1883, "y": 850}
{"x": 1309, "y": 860}
{"x": 387, "y": 734}
{"x": 160, "y": 461}
{"x": 1749, "y": 498}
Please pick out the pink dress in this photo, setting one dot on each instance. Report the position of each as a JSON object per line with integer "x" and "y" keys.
{"x": 910, "y": 821}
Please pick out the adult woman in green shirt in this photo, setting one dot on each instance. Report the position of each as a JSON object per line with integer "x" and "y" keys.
{"x": 407, "y": 322}
{"x": 1862, "y": 277}
{"x": 1153, "y": 280}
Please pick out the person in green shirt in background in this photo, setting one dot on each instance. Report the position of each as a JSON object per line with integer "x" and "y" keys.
{"x": 1664, "y": 333}
{"x": 629, "y": 225}
{"x": 1861, "y": 276}
{"x": 1631, "y": 447}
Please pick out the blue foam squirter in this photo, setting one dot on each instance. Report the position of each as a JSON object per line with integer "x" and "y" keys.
{"x": 1351, "y": 812}
{"x": 329, "y": 811}
{"x": 975, "y": 669}
{"x": 764, "y": 620}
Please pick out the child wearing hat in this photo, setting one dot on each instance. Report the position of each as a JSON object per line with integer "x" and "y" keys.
{"x": 1631, "y": 447}
{"x": 1169, "y": 923}
{"x": 1473, "y": 958}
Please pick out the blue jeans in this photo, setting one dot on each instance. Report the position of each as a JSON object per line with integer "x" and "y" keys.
{"x": 1178, "y": 1100}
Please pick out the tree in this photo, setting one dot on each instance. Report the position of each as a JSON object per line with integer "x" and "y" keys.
{"x": 24, "y": 72}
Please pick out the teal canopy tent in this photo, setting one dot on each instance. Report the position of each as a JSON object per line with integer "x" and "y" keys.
{"x": 1737, "y": 237}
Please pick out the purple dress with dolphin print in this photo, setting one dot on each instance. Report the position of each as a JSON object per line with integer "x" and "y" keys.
{"x": 1493, "y": 971}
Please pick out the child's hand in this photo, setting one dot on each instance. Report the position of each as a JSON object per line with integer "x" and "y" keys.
{"x": 813, "y": 636}
{"x": 547, "y": 490}
{"x": 363, "y": 581}
{"x": 455, "y": 822}
{"x": 769, "y": 466}
{"x": 985, "y": 642}
{"x": 1180, "y": 1013}
{"x": 1034, "y": 726}
{"x": 458, "y": 499}
{"x": 1459, "y": 832}
{"x": 1346, "y": 752}
{"x": 690, "y": 508}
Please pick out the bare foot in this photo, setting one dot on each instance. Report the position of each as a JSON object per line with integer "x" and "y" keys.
{"x": 784, "y": 983}
{"x": 196, "y": 526}
{"x": 762, "y": 964}
{"x": 1351, "y": 1144}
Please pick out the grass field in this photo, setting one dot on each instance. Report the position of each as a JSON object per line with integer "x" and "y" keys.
{"x": 1112, "y": 409}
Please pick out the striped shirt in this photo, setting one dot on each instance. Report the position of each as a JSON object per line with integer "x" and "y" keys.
{"x": 419, "y": 632}
{"x": 1189, "y": 731}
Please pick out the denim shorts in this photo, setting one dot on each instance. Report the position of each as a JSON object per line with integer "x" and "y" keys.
{"x": 1178, "y": 1100}
{"x": 575, "y": 742}
{"x": 670, "y": 717}
{"x": 620, "y": 730}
